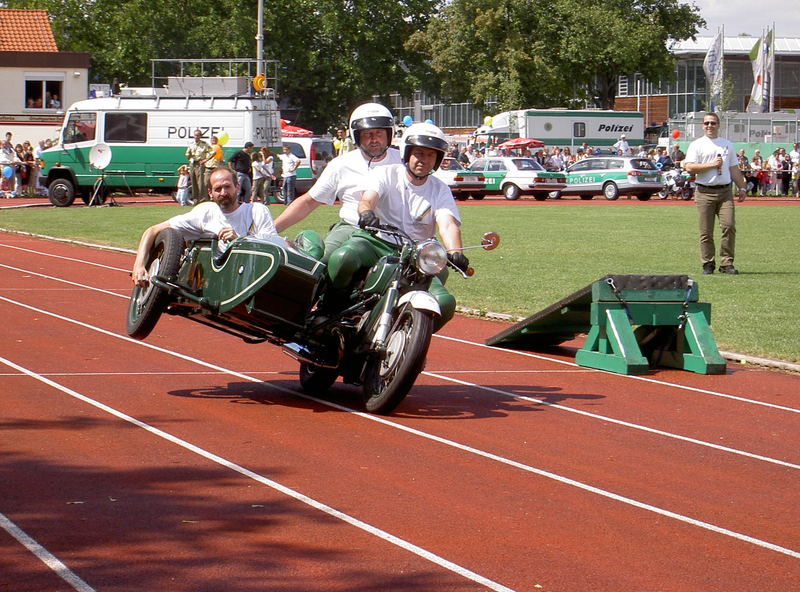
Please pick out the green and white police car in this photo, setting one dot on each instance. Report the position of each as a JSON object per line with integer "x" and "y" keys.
{"x": 463, "y": 183}
{"x": 514, "y": 176}
{"x": 612, "y": 176}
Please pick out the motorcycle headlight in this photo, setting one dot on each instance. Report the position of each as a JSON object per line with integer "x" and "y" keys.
{"x": 431, "y": 257}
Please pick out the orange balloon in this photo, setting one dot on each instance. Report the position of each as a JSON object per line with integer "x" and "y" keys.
{"x": 676, "y": 134}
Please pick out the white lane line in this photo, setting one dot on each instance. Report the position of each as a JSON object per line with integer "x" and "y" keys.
{"x": 294, "y": 494}
{"x": 629, "y": 376}
{"x": 621, "y": 422}
{"x": 582, "y": 371}
{"x": 432, "y": 437}
{"x": 44, "y": 555}
{"x": 55, "y": 279}
{"x": 604, "y": 418}
{"x": 85, "y": 262}
{"x": 196, "y": 373}
{"x": 508, "y": 351}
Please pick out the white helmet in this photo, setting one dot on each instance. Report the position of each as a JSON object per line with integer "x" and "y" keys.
{"x": 426, "y": 135}
{"x": 371, "y": 116}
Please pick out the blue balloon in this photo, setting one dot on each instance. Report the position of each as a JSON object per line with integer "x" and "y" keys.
{"x": 8, "y": 172}
{"x": 408, "y": 120}
{"x": 429, "y": 121}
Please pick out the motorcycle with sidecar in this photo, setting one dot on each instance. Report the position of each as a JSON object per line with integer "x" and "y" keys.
{"x": 272, "y": 290}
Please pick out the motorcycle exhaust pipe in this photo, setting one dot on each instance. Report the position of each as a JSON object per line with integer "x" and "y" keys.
{"x": 303, "y": 354}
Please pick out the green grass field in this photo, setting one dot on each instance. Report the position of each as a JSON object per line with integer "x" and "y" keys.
{"x": 550, "y": 250}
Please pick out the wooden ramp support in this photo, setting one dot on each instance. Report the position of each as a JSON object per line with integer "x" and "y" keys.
{"x": 633, "y": 322}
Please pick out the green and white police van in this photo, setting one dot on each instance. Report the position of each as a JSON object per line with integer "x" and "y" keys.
{"x": 146, "y": 133}
{"x": 567, "y": 127}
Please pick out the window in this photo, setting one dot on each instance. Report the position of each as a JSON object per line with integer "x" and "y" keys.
{"x": 126, "y": 127}
{"x": 44, "y": 91}
{"x": 578, "y": 129}
{"x": 81, "y": 127}
{"x": 496, "y": 165}
{"x": 478, "y": 165}
{"x": 296, "y": 149}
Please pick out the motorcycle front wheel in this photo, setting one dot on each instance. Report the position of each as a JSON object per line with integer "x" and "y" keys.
{"x": 388, "y": 380}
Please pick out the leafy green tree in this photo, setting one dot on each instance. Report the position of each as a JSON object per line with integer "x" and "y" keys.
{"x": 536, "y": 54}
{"x": 333, "y": 53}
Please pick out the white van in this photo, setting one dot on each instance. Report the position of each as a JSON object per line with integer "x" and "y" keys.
{"x": 147, "y": 135}
{"x": 314, "y": 155}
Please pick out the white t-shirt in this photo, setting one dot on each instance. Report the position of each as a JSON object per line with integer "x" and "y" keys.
{"x": 343, "y": 178}
{"x": 706, "y": 149}
{"x": 205, "y": 220}
{"x": 413, "y": 208}
{"x": 289, "y": 164}
{"x": 259, "y": 170}
{"x": 623, "y": 147}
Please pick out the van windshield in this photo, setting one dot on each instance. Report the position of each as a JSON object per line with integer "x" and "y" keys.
{"x": 80, "y": 127}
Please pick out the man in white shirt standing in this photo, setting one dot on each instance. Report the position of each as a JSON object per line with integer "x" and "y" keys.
{"x": 371, "y": 129}
{"x": 713, "y": 160}
{"x": 289, "y": 164}
{"x": 622, "y": 146}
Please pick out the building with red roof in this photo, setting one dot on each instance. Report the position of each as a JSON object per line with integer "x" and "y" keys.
{"x": 38, "y": 80}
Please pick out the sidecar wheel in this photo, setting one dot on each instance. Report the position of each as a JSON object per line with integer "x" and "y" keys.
{"x": 316, "y": 380}
{"x": 387, "y": 381}
{"x": 147, "y": 304}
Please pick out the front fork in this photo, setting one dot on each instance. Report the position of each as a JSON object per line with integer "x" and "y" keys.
{"x": 384, "y": 323}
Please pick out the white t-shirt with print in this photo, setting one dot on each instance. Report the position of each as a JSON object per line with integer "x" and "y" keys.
{"x": 706, "y": 149}
{"x": 343, "y": 178}
{"x": 205, "y": 220}
{"x": 413, "y": 208}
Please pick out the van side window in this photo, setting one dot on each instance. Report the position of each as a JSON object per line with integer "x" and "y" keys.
{"x": 126, "y": 127}
{"x": 80, "y": 127}
{"x": 296, "y": 149}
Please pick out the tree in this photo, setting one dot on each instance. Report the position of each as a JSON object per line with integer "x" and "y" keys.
{"x": 562, "y": 52}
{"x": 333, "y": 54}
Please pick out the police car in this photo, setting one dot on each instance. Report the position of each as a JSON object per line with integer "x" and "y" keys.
{"x": 462, "y": 182}
{"x": 612, "y": 176}
{"x": 514, "y": 176}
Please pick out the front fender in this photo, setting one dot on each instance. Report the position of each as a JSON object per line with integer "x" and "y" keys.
{"x": 421, "y": 301}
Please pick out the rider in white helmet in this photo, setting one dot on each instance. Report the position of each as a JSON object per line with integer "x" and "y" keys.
{"x": 406, "y": 196}
{"x": 371, "y": 129}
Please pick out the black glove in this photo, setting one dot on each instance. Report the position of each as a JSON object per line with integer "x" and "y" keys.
{"x": 367, "y": 218}
{"x": 459, "y": 260}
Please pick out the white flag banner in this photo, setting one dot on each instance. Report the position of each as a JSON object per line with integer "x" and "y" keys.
{"x": 714, "y": 66}
{"x": 762, "y": 55}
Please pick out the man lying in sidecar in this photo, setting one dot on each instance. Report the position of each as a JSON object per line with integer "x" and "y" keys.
{"x": 370, "y": 326}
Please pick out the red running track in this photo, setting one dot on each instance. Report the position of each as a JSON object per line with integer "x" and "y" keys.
{"x": 190, "y": 462}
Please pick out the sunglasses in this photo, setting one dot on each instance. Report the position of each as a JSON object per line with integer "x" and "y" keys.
{"x": 709, "y": 123}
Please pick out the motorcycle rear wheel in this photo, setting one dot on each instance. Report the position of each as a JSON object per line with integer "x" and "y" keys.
{"x": 147, "y": 304}
{"x": 387, "y": 381}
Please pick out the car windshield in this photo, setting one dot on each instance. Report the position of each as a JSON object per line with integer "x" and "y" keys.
{"x": 643, "y": 164}
{"x": 527, "y": 164}
{"x": 450, "y": 164}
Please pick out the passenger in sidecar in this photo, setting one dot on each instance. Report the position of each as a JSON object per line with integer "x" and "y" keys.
{"x": 223, "y": 218}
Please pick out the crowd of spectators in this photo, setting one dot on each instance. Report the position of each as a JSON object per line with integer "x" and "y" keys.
{"x": 779, "y": 174}
{"x": 20, "y": 165}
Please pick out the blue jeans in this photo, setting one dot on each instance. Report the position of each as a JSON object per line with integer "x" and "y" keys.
{"x": 287, "y": 191}
{"x": 245, "y": 185}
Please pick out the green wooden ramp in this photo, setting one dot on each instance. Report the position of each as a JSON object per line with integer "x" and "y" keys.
{"x": 633, "y": 322}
